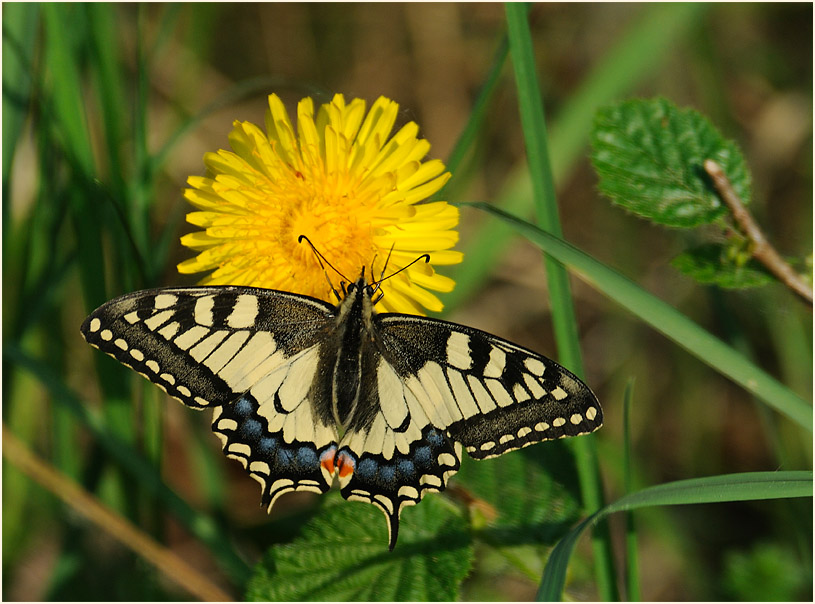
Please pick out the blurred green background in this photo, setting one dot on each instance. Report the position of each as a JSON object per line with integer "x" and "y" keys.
{"x": 108, "y": 108}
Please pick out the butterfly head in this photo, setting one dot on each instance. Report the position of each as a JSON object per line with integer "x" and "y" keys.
{"x": 372, "y": 290}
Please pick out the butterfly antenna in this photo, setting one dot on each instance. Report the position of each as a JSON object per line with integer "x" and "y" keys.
{"x": 426, "y": 258}
{"x": 385, "y": 266}
{"x": 321, "y": 259}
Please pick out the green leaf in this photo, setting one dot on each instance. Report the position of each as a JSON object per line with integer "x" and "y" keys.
{"x": 710, "y": 264}
{"x": 532, "y": 495}
{"x": 749, "y": 486}
{"x": 343, "y": 555}
{"x": 649, "y": 156}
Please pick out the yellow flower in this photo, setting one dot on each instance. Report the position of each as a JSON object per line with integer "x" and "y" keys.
{"x": 342, "y": 181}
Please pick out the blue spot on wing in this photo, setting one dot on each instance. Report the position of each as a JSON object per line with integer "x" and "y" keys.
{"x": 283, "y": 458}
{"x": 267, "y": 445}
{"x": 422, "y": 455}
{"x": 307, "y": 457}
{"x": 366, "y": 469}
{"x": 243, "y": 407}
{"x": 405, "y": 470}
{"x": 434, "y": 438}
{"x": 251, "y": 428}
{"x": 386, "y": 474}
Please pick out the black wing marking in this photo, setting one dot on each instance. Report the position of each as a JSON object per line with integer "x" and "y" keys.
{"x": 206, "y": 345}
{"x": 484, "y": 392}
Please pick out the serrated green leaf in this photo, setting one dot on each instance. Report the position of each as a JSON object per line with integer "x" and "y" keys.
{"x": 709, "y": 264}
{"x": 649, "y": 155}
{"x": 343, "y": 555}
{"x": 533, "y": 493}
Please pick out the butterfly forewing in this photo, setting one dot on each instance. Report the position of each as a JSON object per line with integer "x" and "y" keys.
{"x": 488, "y": 394}
{"x": 206, "y": 345}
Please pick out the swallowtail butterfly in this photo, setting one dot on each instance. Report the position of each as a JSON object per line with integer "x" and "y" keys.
{"x": 304, "y": 392}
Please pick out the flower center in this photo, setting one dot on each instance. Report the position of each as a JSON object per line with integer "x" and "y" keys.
{"x": 338, "y": 228}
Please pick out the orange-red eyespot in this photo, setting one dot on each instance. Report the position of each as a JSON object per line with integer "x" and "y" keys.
{"x": 327, "y": 458}
{"x": 346, "y": 464}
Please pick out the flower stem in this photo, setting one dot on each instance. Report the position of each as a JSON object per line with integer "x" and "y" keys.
{"x": 763, "y": 251}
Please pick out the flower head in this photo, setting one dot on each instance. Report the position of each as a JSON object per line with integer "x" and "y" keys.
{"x": 342, "y": 181}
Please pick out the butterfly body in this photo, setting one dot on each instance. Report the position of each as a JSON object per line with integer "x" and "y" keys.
{"x": 305, "y": 393}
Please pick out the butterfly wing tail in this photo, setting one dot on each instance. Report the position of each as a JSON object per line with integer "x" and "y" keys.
{"x": 392, "y": 483}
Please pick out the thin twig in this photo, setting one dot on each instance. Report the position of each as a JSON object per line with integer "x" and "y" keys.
{"x": 762, "y": 250}
{"x": 172, "y": 566}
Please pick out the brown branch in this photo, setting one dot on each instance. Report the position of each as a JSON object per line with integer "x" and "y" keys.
{"x": 762, "y": 251}
{"x": 172, "y": 566}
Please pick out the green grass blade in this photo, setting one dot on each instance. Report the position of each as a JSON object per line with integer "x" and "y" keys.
{"x": 632, "y": 580}
{"x": 750, "y": 486}
{"x": 478, "y": 115}
{"x": 563, "y": 315}
{"x": 20, "y": 21}
{"x": 554, "y": 574}
{"x": 667, "y": 320}
{"x": 66, "y": 118}
{"x": 747, "y": 486}
{"x": 637, "y": 54}
{"x": 533, "y": 123}
{"x": 140, "y": 202}
{"x": 67, "y": 103}
{"x": 110, "y": 86}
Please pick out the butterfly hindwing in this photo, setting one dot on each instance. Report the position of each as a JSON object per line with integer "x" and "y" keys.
{"x": 278, "y": 463}
{"x": 396, "y": 469}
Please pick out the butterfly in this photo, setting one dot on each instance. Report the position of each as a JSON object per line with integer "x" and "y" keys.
{"x": 305, "y": 393}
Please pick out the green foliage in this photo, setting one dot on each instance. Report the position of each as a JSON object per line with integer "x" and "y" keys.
{"x": 766, "y": 573}
{"x": 649, "y": 156}
{"x": 343, "y": 556}
{"x": 711, "y": 264}
{"x": 532, "y": 496}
